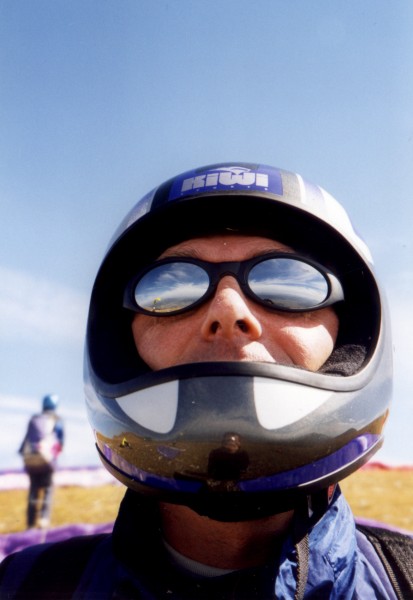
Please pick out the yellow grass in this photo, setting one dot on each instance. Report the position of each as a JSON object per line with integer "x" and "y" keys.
{"x": 382, "y": 495}
{"x": 70, "y": 505}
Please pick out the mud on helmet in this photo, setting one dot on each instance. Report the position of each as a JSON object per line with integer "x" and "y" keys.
{"x": 299, "y": 431}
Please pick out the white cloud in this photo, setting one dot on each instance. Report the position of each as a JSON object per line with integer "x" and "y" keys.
{"x": 14, "y": 404}
{"x": 40, "y": 309}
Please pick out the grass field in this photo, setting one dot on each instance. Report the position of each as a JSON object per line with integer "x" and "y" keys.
{"x": 379, "y": 494}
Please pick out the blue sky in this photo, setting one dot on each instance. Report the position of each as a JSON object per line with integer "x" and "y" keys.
{"x": 101, "y": 100}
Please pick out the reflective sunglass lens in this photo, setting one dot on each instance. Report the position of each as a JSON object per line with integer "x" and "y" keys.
{"x": 171, "y": 287}
{"x": 288, "y": 283}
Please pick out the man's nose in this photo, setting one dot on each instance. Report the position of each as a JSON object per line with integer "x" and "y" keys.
{"x": 228, "y": 313}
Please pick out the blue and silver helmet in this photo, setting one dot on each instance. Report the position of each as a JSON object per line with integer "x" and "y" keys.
{"x": 50, "y": 402}
{"x": 299, "y": 431}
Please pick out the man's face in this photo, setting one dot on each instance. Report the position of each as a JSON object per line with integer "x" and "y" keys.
{"x": 231, "y": 327}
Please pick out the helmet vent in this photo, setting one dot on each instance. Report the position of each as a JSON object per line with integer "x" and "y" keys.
{"x": 154, "y": 408}
{"x": 292, "y": 403}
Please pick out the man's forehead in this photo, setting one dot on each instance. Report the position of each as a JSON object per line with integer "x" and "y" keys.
{"x": 225, "y": 243}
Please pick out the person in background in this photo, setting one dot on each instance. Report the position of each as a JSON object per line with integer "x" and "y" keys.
{"x": 40, "y": 449}
{"x": 234, "y": 299}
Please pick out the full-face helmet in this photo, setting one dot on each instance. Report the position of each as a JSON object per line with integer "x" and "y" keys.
{"x": 297, "y": 432}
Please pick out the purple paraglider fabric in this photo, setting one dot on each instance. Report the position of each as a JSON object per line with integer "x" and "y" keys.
{"x": 13, "y": 542}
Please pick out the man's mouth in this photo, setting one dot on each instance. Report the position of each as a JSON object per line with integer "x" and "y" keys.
{"x": 226, "y": 353}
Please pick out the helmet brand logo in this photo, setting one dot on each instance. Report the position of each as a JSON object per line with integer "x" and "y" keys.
{"x": 227, "y": 177}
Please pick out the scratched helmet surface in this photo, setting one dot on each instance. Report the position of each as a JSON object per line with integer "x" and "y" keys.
{"x": 163, "y": 433}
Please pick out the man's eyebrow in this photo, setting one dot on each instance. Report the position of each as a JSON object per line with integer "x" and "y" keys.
{"x": 183, "y": 253}
{"x": 272, "y": 250}
{"x": 194, "y": 253}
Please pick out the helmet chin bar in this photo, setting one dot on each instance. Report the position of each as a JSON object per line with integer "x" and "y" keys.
{"x": 227, "y": 501}
{"x": 168, "y": 440}
{"x": 229, "y": 507}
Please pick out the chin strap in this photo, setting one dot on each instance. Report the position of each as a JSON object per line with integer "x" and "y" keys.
{"x": 303, "y": 514}
{"x": 302, "y": 550}
{"x": 308, "y": 513}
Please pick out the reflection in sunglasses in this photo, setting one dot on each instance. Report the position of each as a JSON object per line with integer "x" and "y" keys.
{"x": 277, "y": 282}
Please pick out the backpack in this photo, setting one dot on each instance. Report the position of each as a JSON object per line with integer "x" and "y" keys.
{"x": 395, "y": 551}
{"x": 41, "y": 444}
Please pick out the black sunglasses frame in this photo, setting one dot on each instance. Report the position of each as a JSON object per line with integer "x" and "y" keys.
{"x": 240, "y": 271}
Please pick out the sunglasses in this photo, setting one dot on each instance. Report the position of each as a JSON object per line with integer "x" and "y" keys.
{"x": 279, "y": 281}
